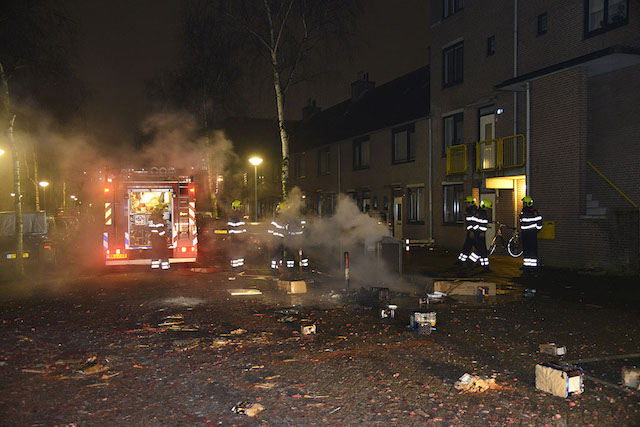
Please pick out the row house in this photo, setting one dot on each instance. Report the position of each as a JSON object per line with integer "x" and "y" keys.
{"x": 373, "y": 147}
{"x": 540, "y": 98}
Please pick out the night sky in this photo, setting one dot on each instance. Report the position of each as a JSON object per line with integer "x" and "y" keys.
{"x": 125, "y": 43}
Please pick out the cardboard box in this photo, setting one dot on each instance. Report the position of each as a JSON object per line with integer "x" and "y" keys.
{"x": 559, "y": 379}
{"x": 553, "y": 349}
{"x": 464, "y": 287}
{"x": 292, "y": 286}
{"x": 631, "y": 377}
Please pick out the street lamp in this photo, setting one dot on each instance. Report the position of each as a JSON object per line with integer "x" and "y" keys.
{"x": 255, "y": 161}
{"x": 1, "y": 151}
{"x": 44, "y": 185}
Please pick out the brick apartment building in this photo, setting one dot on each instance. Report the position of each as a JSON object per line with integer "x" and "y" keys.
{"x": 373, "y": 147}
{"x": 531, "y": 97}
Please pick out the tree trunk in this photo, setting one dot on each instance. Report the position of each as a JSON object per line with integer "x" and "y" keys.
{"x": 6, "y": 103}
{"x": 213, "y": 181}
{"x": 284, "y": 136}
{"x": 35, "y": 179}
{"x": 18, "y": 199}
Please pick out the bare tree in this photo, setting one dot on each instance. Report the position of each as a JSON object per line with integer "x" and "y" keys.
{"x": 286, "y": 32}
{"x": 203, "y": 82}
{"x": 8, "y": 110}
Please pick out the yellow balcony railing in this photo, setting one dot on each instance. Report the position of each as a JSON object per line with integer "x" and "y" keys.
{"x": 511, "y": 153}
{"x": 456, "y": 159}
{"x": 503, "y": 153}
{"x": 487, "y": 155}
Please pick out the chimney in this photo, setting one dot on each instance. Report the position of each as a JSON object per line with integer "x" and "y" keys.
{"x": 310, "y": 109}
{"x": 360, "y": 86}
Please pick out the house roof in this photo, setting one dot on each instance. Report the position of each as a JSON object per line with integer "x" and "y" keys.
{"x": 398, "y": 101}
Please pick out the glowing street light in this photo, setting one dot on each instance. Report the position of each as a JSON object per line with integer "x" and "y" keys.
{"x": 44, "y": 185}
{"x": 1, "y": 151}
{"x": 255, "y": 161}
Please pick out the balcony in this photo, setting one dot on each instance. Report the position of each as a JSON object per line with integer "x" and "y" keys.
{"x": 503, "y": 153}
{"x": 456, "y": 159}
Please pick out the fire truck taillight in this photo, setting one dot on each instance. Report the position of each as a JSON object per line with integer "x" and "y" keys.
{"x": 192, "y": 190}
{"x": 183, "y": 249}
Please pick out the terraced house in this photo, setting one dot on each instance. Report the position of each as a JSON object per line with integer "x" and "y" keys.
{"x": 540, "y": 98}
{"x": 373, "y": 147}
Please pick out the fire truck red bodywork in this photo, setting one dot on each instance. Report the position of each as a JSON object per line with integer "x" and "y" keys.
{"x": 130, "y": 197}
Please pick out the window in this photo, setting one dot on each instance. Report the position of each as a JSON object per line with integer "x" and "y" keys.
{"x": 403, "y": 144}
{"x": 491, "y": 45}
{"x": 385, "y": 203}
{"x": 298, "y": 159}
{"x": 416, "y": 204}
{"x": 323, "y": 161}
{"x": 603, "y": 15}
{"x": 453, "y": 196}
{"x": 452, "y": 65}
{"x": 361, "y": 153}
{"x": 449, "y": 7}
{"x": 452, "y": 132}
{"x": 542, "y": 24}
{"x": 375, "y": 202}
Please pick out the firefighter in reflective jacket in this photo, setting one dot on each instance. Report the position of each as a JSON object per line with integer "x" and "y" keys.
{"x": 471, "y": 226}
{"x": 237, "y": 231}
{"x": 287, "y": 231}
{"x": 530, "y": 225}
{"x": 158, "y": 227}
{"x": 482, "y": 221}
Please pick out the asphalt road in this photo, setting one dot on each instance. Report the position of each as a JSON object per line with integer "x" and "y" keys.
{"x": 143, "y": 348}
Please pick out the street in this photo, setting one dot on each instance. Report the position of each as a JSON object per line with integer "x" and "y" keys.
{"x": 140, "y": 348}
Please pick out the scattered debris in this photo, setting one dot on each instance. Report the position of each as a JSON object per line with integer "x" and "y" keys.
{"x": 238, "y": 331}
{"x": 185, "y": 345}
{"x": 436, "y": 297}
{"x": 182, "y": 301}
{"x": 474, "y": 384}
{"x": 91, "y": 366}
{"x": 266, "y": 386}
{"x": 553, "y": 349}
{"x": 559, "y": 379}
{"x": 631, "y": 377}
{"x": 423, "y": 323}
{"x": 308, "y": 329}
{"x": 529, "y": 292}
{"x": 292, "y": 286}
{"x": 389, "y": 311}
{"x": 464, "y": 287}
{"x": 244, "y": 292}
{"x": 246, "y": 408}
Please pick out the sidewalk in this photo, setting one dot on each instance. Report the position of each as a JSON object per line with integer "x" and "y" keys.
{"x": 602, "y": 289}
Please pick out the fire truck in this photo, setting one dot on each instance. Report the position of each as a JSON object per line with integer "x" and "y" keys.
{"x": 130, "y": 197}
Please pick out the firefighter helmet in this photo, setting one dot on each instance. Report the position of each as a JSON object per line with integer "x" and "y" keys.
{"x": 237, "y": 204}
{"x": 486, "y": 203}
{"x": 527, "y": 201}
{"x": 470, "y": 199}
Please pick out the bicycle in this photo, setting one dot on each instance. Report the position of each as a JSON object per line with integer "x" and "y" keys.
{"x": 513, "y": 246}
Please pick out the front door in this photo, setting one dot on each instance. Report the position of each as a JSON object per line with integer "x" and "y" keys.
{"x": 487, "y": 127}
{"x": 397, "y": 217}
